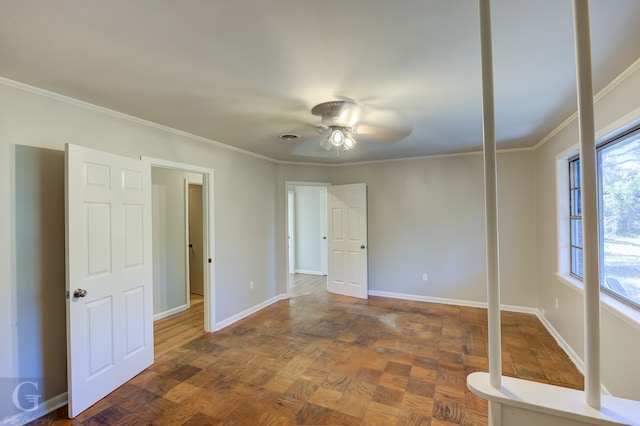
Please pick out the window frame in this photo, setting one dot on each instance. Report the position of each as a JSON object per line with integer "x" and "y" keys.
{"x": 575, "y": 213}
{"x": 606, "y": 143}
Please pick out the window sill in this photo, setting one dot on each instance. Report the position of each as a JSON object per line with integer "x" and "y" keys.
{"x": 556, "y": 404}
{"x": 626, "y": 313}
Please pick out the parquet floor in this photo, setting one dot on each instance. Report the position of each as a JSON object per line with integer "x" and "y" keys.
{"x": 323, "y": 359}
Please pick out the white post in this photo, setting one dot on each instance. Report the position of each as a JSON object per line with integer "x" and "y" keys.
{"x": 589, "y": 203}
{"x": 491, "y": 196}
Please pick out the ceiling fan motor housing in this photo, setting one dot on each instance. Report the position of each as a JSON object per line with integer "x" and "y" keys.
{"x": 336, "y": 113}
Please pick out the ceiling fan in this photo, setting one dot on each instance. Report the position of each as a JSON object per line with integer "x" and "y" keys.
{"x": 345, "y": 123}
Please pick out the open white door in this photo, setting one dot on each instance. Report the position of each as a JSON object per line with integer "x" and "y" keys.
{"x": 109, "y": 273}
{"x": 347, "y": 223}
{"x": 324, "y": 249}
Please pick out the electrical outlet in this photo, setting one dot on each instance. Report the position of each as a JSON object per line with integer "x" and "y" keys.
{"x": 425, "y": 277}
{"x": 250, "y": 285}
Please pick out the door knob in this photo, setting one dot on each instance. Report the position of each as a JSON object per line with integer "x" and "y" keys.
{"x": 79, "y": 292}
{"x": 362, "y": 246}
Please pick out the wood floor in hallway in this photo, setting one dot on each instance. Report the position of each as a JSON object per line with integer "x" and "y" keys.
{"x": 305, "y": 284}
{"x": 324, "y": 359}
{"x": 178, "y": 329}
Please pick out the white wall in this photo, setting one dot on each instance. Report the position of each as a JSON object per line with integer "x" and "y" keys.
{"x": 33, "y": 130}
{"x": 427, "y": 216}
{"x": 620, "y": 339}
{"x": 169, "y": 240}
{"x": 308, "y": 217}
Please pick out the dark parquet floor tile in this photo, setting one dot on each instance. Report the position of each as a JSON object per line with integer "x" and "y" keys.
{"x": 323, "y": 359}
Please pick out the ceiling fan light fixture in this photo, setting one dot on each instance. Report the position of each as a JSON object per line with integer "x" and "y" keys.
{"x": 337, "y": 137}
{"x": 349, "y": 142}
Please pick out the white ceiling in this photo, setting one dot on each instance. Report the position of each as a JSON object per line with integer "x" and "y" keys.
{"x": 243, "y": 72}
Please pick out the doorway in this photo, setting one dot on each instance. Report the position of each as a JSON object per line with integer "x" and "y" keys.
{"x": 195, "y": 238}
{"x": 179, "y": 261}
{"x": 202, "y": 180}
{"x": 306, "y": 237}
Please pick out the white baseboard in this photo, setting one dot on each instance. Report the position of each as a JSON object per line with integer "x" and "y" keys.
{"x": 577, "y": 361}
{"x": 419, "y": 298}
{"x": 457, "y": 302}
{"x": 42, "y": 410}
{"x": 237, "y": 317}
{"x": 308, "y": 272}
{"x": 170, "y": 312}
{"x": 573, "y": 356}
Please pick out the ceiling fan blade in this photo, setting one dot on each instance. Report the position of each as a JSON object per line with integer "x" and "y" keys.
{"x": 373, "y": 133}
{"x": 381, "y": 125}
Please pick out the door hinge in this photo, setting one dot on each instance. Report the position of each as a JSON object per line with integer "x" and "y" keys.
{"x": 209, "y": 260}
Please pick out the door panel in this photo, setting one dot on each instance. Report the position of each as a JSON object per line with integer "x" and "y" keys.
{"x": 109, "y": 328}
{"x": 196, "y": 243}
{"x": 134, "y": 311}
{"x": 347, "y": 210}
{"x": 133, "y": 252}
{"x": 324, "y": 248}
{"x": 100, "y": 321}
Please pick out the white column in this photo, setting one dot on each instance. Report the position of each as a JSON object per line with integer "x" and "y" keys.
{"x": 491, "y": 196}
{"x": 589, "y": 203}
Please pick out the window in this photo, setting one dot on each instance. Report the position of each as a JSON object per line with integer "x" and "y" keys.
{"x": 618, "y": 162}
{"x": 575, "y": 217}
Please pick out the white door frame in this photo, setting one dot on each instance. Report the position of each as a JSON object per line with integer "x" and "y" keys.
{"x": 208, "y": 229}
{"x": 287, "y": 184}
{"x": 187, "y": 273}
{"x": 291, "y": 234}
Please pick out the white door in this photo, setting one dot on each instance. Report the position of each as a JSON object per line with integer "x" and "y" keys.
{"x": 291, "y": 217}
{"x": 109, "y": 273}
{"x": 196, "y": 252}
{"x": 323, "y": 232}
{"x": 347, "y": 223}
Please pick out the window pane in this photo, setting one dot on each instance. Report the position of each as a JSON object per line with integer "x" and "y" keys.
{"x": 619, "y": 169}
{"x": 574, "y": 171}
{"x": 576, "y": 232}
{"x": 576, "y": 202}
{"x": 576, "y": 262}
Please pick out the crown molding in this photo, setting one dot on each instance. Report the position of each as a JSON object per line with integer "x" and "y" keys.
{"x": 123, "y": 116}
{"x": 601, "y": 94}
